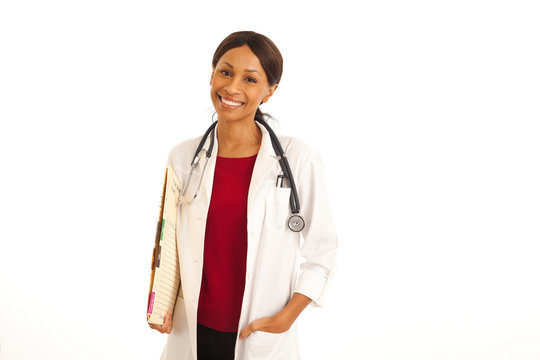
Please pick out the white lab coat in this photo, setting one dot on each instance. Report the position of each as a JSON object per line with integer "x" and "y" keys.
{"x": 279, "y": 261}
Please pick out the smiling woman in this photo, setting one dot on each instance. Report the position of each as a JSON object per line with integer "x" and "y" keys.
{"x": 241, "y": 288}
{"x": 239, "y": 86}
{"x": 259, "y": 66}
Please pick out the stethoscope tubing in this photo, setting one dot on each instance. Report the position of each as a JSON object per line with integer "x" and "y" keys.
{"x": 285, "y": 167}
{"x": 282, "y": 159}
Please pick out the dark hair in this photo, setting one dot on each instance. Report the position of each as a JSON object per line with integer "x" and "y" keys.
{"x": 264, "y": 48}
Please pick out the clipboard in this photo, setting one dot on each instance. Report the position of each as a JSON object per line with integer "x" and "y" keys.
{"x": 165, "y": 275}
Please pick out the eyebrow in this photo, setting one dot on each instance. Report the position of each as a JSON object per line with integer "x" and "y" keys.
{"x": 248, "y": 70}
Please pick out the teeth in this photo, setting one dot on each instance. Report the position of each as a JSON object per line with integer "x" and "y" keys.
{"x": 231, "y": 103}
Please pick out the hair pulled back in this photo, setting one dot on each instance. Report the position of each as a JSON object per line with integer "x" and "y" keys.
{"x": 265, "y": 50}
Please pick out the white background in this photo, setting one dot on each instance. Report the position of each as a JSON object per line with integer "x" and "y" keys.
{"x": 426, "y": 114}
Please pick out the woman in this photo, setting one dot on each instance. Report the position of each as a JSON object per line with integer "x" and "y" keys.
{"x": 242, "y": 287}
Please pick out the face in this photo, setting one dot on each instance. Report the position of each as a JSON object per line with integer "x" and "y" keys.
{"x": 239, "y": 85}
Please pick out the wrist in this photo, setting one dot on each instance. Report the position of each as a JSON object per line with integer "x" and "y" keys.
{"x": 285, "y": 318}
{"x": 288, "y": 315}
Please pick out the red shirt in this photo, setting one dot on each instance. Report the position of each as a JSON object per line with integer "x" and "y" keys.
{"x": 225, "y": 245}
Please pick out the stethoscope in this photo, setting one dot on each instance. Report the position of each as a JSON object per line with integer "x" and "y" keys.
{"x": 296, "y": 222}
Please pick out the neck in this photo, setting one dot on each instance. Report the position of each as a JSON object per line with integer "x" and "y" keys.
{"x": 238, "y": 138}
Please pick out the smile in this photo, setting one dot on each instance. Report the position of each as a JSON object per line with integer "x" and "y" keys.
{"x": 229, "y": 103}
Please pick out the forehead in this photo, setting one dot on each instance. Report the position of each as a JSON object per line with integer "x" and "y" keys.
{"x": 242, "y": 58}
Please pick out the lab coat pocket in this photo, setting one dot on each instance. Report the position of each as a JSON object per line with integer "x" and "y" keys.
{"x": 277, "y": 208}
{"x": 261, "y": 345}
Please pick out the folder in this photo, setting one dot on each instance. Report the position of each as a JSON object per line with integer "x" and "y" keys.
{"x": 165, "y": 275}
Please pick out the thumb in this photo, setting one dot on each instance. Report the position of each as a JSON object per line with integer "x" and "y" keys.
{"x": 167, "y": 321}
{"x": 246, "y": 331}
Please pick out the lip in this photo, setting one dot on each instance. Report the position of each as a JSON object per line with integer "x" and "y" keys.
{"x": 229, "y": 99}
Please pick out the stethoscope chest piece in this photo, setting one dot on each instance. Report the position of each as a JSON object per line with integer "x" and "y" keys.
{"x": 296, "y": 223}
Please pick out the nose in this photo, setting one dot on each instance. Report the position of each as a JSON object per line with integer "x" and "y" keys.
{"x": 233, "y": 86}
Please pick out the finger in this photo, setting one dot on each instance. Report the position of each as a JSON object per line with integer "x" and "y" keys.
{"x": 246, "y": 331}
{"x": 166, "y": 327}
{"x": 156, "y": 327}
{"x": 167, "y": 323}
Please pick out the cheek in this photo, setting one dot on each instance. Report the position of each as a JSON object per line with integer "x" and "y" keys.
{"x": 214, "y": 86}
{"x": 256, "y": 96}
{"x": 217, "y": 82}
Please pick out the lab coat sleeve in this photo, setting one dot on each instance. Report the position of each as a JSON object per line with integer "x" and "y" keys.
{"x": 319, "y": 245}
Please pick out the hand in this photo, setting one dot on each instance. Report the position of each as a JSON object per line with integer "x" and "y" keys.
{"x": 272, "y": 324}
{"x": 280, "y": 322}
{"x": 166, "y": 327}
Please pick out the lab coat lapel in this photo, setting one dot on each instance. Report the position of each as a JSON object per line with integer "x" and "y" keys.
{"x": 266, "y": 160}
{"x": 208, "y": 180}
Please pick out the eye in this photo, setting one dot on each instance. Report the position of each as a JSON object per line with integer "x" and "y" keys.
{"x": 252, "y": 80}
{"x": 225, "y": 72}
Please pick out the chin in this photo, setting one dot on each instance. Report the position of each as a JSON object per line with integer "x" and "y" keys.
{"x": 228, "y": 117}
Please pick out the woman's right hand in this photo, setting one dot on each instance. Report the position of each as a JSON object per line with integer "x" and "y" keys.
{"x": 166, "y": 327}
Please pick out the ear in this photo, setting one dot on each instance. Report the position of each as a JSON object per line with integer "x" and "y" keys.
{"x": 271, "y": 90}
